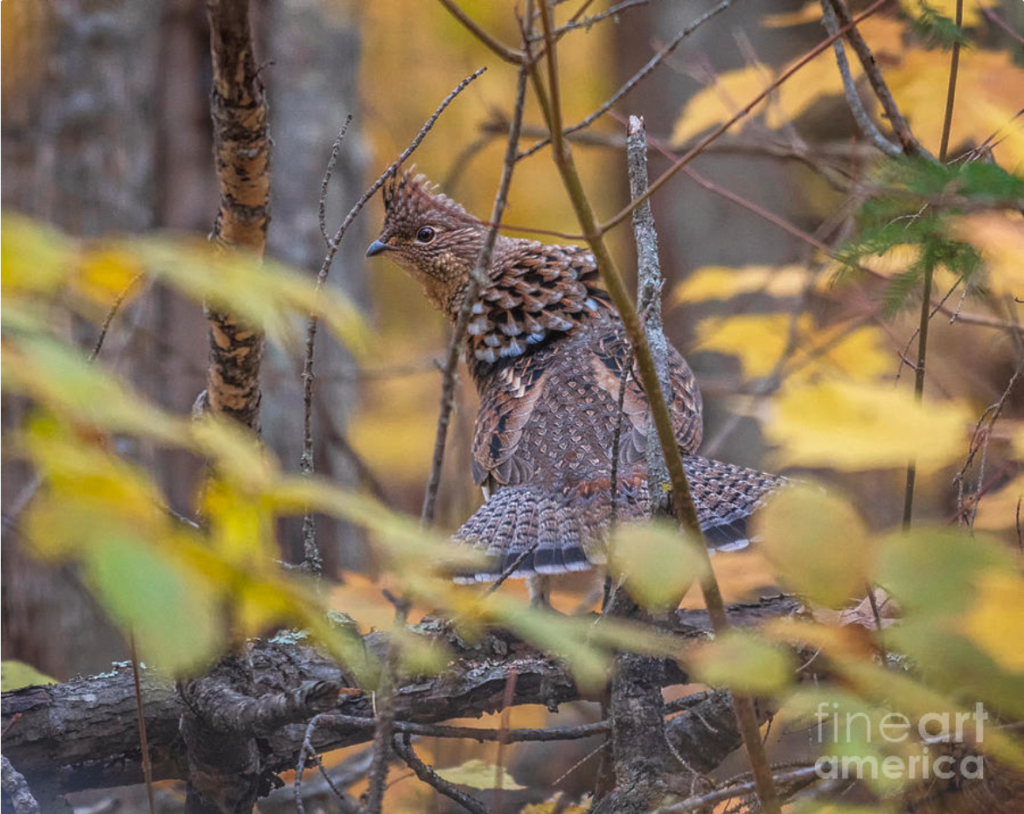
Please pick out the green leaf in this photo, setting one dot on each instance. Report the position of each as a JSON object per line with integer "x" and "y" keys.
{"x": 817, "y": 543}
{"x": 169, "y": 609}
{"x": 952, "y": 559}
{"x": 656, "y": 564}
{"x": 743, "y": 662}
{"x": 938, "y": 30}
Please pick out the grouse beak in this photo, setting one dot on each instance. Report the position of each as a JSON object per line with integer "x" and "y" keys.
{"x": 376, "y": 248}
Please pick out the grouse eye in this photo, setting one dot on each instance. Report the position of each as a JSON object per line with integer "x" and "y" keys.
{"x": 425, "y": 235}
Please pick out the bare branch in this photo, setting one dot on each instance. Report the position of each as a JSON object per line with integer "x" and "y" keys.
{"x": 853, "y": 100}
{"x": 97, "y": 745}
{"x": 794, "y": 780}
{"x": 564, "y": 733}
{"x": 649, "y": 289}
{"x": 335, "y": 149}
{"x": 477, "y": 280}
{"x": 405, "y": 751}
{"x": 910, "y": 144}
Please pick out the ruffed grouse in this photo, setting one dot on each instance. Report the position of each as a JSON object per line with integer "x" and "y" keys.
{"x": 548, "y": 352}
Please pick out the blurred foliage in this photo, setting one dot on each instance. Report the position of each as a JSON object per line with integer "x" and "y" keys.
{"x": 189, "y": 591}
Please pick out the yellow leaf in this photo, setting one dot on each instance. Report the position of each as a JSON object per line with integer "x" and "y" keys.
{"x": 171, "y": 612}
{"x": 35, "y": 257}
{"x": 554, "y": 806}
{"x": 996, "y": 620}
{"x": 884, "y": 35}
{"x": 1007, "y": 132}
{"x": 734, "y": 89}
{"x": 61, "y": 379}
{"x": 998, "y": 510}
{"x": 242, "y": 528}
{"x": 860, "y": 356}
{"x": 984, "y": 76}
{"x": 821, "y": 78}
{"x": 722, "y": 282}
{"x": 817, "y": 543}
{"x": 478, "y": 774}
{"x": 717, "y": 103}
{"x": 865, "y": 426}
{"x": 757, "y": 340}
{"x": 105, "y": 274}
{"x": 809, "y": 13}
{"x": 234, "y": 450}
{"x": 999, "y": 236}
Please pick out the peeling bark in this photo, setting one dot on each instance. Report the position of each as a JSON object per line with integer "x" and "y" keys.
{"x": 225, "y": 771}
{"x": 242, "y": 155}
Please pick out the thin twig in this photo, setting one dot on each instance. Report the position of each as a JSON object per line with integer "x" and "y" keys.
{"x": 349, "y": 804}
{"x": 799, "y": 778}
{"x": 929, "y": 267}
{"x": 980, "y": 440}
{"x": 904, "y": 361}
{"x": 478, "y": 279}
{"x": 853, "y": 100}
{"x": 109, "y": 318}
{"x": 335, "y": 149}
{"x": 507, "y": 700}
{"x": 954, "y": 69}
{"x": 147, "y": 763}
{"x": 565, "y": 733}
{"x": 311, "y": 551}
{"x": 512, "y": 567}
{"x": 635, "y": 80}
{"x": 334, "y": 437}
{"x": 587, "y": 22}
{"x": 909, "y": 143}
{"x": 405, "y": 751}
{"x": 992, "y": 17}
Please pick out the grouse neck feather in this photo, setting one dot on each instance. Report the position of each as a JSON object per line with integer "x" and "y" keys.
{"x": 537, "y": 294}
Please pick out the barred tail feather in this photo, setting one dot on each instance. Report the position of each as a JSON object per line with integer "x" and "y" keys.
{"x": 526, "y": 531}
{"x": 726, "y": 496}
{"x": 519, "y": 526}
